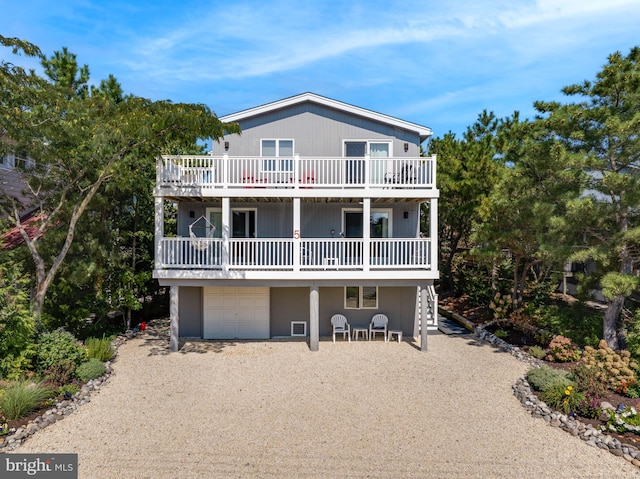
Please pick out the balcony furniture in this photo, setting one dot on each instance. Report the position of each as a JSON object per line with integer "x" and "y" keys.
{"x": 340, "y": 325}
{"x": 360, "y": 331}
{"x": 247, "y": 177}
{"x": 378, "y": 324}
{"x": 326, "y": 262}
{"x": 197, "y": 242}
{"x": 308, "y": 177}
{"x": 397, "y": 332}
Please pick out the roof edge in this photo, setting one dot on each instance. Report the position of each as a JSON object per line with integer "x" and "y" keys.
{"x": 423, "y": 131}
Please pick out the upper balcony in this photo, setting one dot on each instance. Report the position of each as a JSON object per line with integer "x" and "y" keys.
{"x": 296, "y": 176}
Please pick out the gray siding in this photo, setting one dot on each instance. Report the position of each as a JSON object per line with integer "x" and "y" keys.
{"x": 190, "y": 311}
{"x": 275, "y": 220}
{"x": 317, "y": 130}
{"x": 292, "y": 304}
{"x": 286, "y": 305}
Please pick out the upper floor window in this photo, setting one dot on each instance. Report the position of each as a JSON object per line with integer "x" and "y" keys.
{"x": 6, "y": 161}
{"x": 20, "y": 159}
{"x": 279, "y": 153}
{"x": 373, "y": 148}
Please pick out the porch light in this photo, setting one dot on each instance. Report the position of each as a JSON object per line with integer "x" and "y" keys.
{"x": 406, "y": 147}
{"x": 226, "y": 146}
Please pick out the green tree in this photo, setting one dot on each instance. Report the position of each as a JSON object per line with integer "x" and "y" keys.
{"x": 524, "y": 213}
{"x": 80, "y": 142}
{"x": 602, "y": 126}
{"x": 468, "y": 169}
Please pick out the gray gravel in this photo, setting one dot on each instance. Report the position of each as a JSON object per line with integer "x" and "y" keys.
{"x": 276, "y": 409}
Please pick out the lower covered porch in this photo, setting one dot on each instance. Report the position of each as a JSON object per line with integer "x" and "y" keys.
{"x": 261, "y": 311}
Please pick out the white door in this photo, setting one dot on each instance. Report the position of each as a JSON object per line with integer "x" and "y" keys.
{"x": 236, "y": 313}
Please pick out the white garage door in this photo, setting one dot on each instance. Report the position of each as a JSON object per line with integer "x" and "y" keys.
{"x": 236, "y": 313}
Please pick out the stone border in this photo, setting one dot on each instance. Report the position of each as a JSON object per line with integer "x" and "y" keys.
{"x": 65, "y": 407}
{"x": 538, "y": 409}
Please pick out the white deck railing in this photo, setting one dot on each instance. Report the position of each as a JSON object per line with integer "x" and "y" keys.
{"x": 295, "y": 172}
{"x": 280, "y": 254}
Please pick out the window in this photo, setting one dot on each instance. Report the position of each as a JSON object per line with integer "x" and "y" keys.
{"x": 379, "y": 223}
{"x": 361, "y": 297}
{"x": 379, "y": 152}
{"x": 6, "y": 161}
{"x": 17, "y": 160}
{"x": 281, "y": 153}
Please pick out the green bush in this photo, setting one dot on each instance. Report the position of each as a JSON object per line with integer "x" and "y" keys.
{"x": 99, "y": 348}
{"x": 91, "y": 369}
{"x": 60, "y": 373}
{"x": 22, "y": 397}
{"x": 537, "y": 352}
{"x": 545, "y": 377}
{"x": 17, "y": 326}
{"x": 565, "y": 398}
{"x": 70, "y": 388}
{"x": 589, "y": 380}
{"x": 13, "y": 367}
{"x": 633, "y": 390}
{"x": 58, "y": 346}
{"x": 578, "y": 321}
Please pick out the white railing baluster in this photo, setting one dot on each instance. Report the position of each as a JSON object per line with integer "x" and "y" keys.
{"x": 323, "y": 172}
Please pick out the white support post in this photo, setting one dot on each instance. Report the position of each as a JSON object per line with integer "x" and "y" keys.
{"x": 174, "y": 329}
{"x": 297, "y": 175}
{"x": 366, "y": 179}
{"x": 366, "y": 234}
{"x": 226, "y": 228}
{"x": 424, "y": 327}
{"x": 314, "y": 319}
{"x": 225, "y": 171}
{"x": 159, "y": 230}
{"x": 296, "y": 234}
{"x": 433, "y": 233}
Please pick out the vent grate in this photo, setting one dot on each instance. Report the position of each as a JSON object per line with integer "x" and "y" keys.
{"x": 298, "y": 328}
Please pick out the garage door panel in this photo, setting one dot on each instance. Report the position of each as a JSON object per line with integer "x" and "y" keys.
{"x": 236, "y": 313}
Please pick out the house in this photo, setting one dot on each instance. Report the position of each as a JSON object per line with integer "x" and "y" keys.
{"x": 13, "y": 189}
{"x": 314, "y": 209}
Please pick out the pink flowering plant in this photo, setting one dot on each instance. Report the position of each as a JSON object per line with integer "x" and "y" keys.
{"x": 562, "y": 350}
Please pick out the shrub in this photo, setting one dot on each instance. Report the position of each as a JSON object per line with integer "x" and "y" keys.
{"x": 537, "y": 352}
{"x": 70, "y": 388}
{"x": 60, "y": 373}
{"x": 501, "y": 304}
{"x": 91, "y": 369}
{"x": 611, "y": 368}
{"x": 545, "y": 377}
{"x": 15, "y": 366}
{"x": 23, "y": 396}
{"x": 563, "y": 350}
{"x": 633, "y": 390}
{"x": 99, "y": 348}
{"x": 588, "y": 380}
{"x": 58, "y": 346}
{"x": 17, "y": 325}
{"x": 590, "y": 408}
{"x": 565, "y": 398}
{"x": 501, "y": 333}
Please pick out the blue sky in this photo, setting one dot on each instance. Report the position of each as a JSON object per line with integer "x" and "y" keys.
{"x": 433, "y": 62}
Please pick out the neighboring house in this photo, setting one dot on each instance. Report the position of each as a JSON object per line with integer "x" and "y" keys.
{"x": 313, "y": 210}
{"x": 12, "y": 188}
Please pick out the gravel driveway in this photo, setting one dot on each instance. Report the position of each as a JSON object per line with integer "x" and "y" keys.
{"x": 276, "y": 409}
